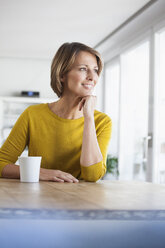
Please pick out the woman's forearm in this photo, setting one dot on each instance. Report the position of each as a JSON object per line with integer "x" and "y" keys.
{"x": 90, "y": 153}
{"x": 11, "y": 171}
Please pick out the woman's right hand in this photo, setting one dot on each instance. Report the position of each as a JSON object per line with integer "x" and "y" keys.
{"x": 56, "y": 176}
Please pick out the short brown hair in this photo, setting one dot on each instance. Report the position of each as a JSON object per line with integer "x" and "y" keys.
{"x": 63, "y": 61}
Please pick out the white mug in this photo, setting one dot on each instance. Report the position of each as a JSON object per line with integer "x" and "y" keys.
{"x": 29, "y": 169}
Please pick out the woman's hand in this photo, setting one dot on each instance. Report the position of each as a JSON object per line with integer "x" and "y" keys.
{"x": 88, "y": 104}
{"x": 56, "y": 176}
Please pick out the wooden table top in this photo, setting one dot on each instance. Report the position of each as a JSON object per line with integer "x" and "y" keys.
{"x": 103, "y": 195}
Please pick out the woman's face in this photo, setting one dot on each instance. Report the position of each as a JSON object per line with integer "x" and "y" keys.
{"x": 82, "y": 78}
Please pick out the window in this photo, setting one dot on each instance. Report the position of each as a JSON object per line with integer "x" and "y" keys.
{"x": 112, "y": 74}
{"x": 134, "y": 112}
{"x": 160, "y": 106}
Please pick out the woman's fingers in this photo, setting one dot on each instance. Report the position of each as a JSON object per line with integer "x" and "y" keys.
{"x": 88, "y": 104}
{"x": 56, "y": 176}
{"x": 56, "y": 179}
{"x": 75, "y": 180}
{"x": 81, "y": 104}
{"x": 66, "y": 177}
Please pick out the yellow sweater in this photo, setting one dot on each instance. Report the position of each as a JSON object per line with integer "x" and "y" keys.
{"x": 57, "y": 140}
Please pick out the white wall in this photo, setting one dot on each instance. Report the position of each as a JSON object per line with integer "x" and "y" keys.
{"x": 17, "y": 74}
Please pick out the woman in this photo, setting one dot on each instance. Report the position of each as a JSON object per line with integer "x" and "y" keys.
{"x": 70, "y": 135}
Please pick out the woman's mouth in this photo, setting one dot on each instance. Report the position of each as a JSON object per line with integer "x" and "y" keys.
{"x": 88, "y": 86}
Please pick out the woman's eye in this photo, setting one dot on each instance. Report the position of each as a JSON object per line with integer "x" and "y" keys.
{"x": 96, "y": 70}
{"x": 82, "y": 69}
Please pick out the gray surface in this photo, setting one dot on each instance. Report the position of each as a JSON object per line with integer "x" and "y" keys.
{"x": 46, "y": 214}
{"x": 81, "y": 234}
{"x": 48, "y": 228}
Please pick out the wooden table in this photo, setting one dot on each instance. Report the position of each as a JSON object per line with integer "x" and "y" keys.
{"x": 82, "y": 196}
{"x": 106, "y": 208}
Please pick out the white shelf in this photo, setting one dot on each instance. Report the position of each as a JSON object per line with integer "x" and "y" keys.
{"x": 31, "y": 100}
{"x": 11, "y": 116}
{"x": 10, "y": 111}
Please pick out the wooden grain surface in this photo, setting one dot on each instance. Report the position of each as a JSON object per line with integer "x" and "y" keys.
{"x": 103, "y": 195}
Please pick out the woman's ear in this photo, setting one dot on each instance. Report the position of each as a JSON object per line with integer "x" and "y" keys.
{"x": 62, "y": 78}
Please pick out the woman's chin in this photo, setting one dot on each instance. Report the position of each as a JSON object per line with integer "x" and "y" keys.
{"x": 86, "y": 92}
{"x": 82, "y": 93}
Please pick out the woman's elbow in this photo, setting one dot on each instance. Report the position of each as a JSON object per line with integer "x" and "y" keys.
{"x": 92, "y": 178}
{"x": 94, "y": 172}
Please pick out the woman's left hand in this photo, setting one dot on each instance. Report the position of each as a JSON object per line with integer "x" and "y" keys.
{"x": 88, "y": 104}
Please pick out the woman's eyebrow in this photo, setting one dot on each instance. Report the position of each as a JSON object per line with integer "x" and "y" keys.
{"x": 86, "y": 65}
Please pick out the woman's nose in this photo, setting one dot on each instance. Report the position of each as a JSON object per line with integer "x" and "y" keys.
{"x": 90, "y": 75}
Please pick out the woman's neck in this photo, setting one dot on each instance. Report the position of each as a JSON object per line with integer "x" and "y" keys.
{"x": 67, "y": 108}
